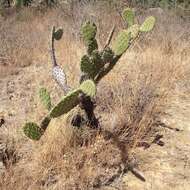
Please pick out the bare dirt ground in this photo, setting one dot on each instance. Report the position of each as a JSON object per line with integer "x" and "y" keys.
{"x": 164, "y": 167}
{"x": 167, "y": 167}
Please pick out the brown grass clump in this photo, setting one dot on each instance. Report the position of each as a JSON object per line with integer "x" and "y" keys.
{"x": 130, "y": 101}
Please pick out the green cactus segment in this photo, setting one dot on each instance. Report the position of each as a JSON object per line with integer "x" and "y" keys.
{"x": 88, "y": 31}
{"x": 121, "y": 42}
{"x": 45, "y": 122}
{"x": 148, "y": 24}
{"x": 97, "y": 63}
{"x": 58, "y": 34}
{"x": 91, "y": 65}
{"x": 107, "y": 55}
{"x": 86, "y": 65}
{"x": 88, "y": 87}
{"x": 45, "y": 98}
{"x": 134, "y": 30}
{"x": 32, "y": 131}
{"x": 66, "y": 104}
{"x": 129, "y": 16}
{"x": 91, "y": 46}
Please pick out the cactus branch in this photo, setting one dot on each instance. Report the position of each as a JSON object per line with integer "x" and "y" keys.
{"x": 110, "y": 37}
{"x": 107, "y": 69}
{"x": 58, "y": 73}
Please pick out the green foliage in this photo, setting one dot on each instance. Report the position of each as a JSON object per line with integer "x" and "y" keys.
{"x": 45, "y": 98}
{"x": 129, "y": 16}
{"x": 148, "y": 24}
{"x": 121, "y": 42}
{"x": 32, "y": 130}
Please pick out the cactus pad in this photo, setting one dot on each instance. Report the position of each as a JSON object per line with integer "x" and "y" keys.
{"x": 91, "y": 46}
{"x": 57, "y": 34}
{"x": 88, "y": 87}
{"x": 129, "y": 16}
{"x": 32, "y": 130}
{"x": 107, "y": 55}
{"x": 148, "y": 24}
{"x": 88, "y": 31}
{"x": 134, "y": 30}
{"x": 45, "y": 98}
{"x": 121, "y": 42}
{"x": 67, "y": 103}
{"x": 86, "y": 65}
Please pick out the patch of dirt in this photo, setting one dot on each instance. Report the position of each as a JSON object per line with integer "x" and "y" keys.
{"x": 166, "y": 167}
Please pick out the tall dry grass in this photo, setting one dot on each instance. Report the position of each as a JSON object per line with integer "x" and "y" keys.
{"x": 130, "y": 99}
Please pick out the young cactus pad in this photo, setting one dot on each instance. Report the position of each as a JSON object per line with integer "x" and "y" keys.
{"x": 121, "y": 42}
{"x": 128, "y": 16}
{"x": 148, "y": 24}
{"x": 32, "y": 130}
{"x": 88, "y": 87}
{"x": 57, "y": 34}
{"x": 134, "y": 30}
{"x": 45, "y": 98}
{"x": 89, "y": 31}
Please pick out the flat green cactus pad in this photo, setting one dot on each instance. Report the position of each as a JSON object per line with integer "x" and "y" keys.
{"x": 67, "y": 103}
{"x": 58, "y": 33}
{"x": 148, "y": 24}
{"x": 45, "y": 98}
{"x": 129, "y": 16}
{"x": 107, "y": 55}
{"x": 88, "y": 31}
{"x": 134, "y": 30}
{"x": 88, "y": 87}
{"x": 86, "y": 65}
{"x": 121, "y": 42}
{"x": 32, "y": 131}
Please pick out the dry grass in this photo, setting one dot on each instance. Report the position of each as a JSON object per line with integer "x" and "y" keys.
{"x": 129, "y": 101}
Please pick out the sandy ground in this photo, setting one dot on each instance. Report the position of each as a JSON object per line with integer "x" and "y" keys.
{"x": 164, "y": 167}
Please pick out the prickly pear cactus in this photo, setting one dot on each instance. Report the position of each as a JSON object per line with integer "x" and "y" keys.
{"x": 121, "y": 42}
{"x": 148, "y": 24}
{"x": 94, "y": 66}
{"x": 45, "y": 98}
{"x": 128, "y": 16}
{"x": 32, "y": 130}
